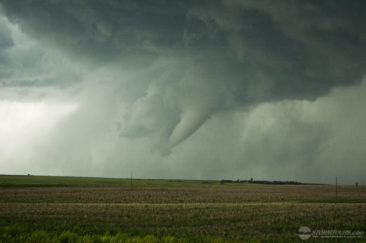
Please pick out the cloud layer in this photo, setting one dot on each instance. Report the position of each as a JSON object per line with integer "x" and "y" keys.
{"x": 160, "y": 76}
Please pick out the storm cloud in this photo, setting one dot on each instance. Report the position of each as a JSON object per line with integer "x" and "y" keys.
{"x": 160, "y": 76}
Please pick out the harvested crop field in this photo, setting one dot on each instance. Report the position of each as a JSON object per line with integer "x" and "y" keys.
{"x": 182, "y": 211}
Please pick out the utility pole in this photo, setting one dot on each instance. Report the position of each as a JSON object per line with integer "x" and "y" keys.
{"x": 336, "y": 188}
{"x": 131, "y": 179}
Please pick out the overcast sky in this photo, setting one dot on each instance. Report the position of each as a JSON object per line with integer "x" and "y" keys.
{"x": 184, "y": 89}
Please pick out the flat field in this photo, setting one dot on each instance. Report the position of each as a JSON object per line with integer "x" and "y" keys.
{"x": 73, "y": 209}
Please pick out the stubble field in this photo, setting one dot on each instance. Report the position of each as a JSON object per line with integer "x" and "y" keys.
{"x": 71, "y": 209}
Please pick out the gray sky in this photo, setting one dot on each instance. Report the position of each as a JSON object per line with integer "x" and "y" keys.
{"x": 184, "y": 89}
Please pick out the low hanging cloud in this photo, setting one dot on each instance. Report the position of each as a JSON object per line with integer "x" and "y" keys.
{"x": 167, "y": 68}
